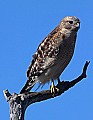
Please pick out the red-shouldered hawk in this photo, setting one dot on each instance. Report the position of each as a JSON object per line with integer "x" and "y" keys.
{"x": 53, "y": 54}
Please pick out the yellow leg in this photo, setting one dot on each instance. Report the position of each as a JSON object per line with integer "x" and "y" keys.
{"x": 53, "y": 88}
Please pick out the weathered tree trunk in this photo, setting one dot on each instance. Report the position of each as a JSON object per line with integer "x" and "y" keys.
{"x": 19, "y": 102}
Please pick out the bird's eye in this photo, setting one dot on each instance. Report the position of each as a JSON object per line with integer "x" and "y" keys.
{"x": 71, "y": 22}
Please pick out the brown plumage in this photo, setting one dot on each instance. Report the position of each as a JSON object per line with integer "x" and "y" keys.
{"x": 53, "y": 54}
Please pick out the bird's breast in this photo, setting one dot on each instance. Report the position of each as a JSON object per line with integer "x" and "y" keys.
{"x": 66, "y": 50}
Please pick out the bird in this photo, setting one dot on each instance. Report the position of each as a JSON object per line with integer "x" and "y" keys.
{"x": 53, "y": 54}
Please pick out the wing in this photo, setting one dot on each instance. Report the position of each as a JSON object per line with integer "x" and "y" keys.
{"x": 43, "y": 58}
{"x": 45, "y": 55}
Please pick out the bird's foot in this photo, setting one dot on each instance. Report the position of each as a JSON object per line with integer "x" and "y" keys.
{"x": 53, "y": 89}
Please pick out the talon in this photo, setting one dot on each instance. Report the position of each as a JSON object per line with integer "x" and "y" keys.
{"x": 53, "y": 88}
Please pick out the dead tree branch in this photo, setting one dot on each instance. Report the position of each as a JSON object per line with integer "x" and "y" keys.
{"x": 19, "y": 102}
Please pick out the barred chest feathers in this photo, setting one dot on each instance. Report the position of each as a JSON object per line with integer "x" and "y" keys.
{"x": 66, "y": 50}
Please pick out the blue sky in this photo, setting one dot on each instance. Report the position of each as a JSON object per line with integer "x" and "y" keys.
{"x": 23, "y": 25}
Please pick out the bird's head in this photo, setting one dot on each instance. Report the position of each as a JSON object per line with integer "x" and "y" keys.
{"x": 71, "y": 23}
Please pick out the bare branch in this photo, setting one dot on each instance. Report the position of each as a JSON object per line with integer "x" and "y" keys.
{"x": 83, "y": 75}
{"x": 19, "y": 102}
{"x": 62, "y": 86}
{"x": 7, "y": 95}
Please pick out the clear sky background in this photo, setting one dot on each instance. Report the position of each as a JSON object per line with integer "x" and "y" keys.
{"x": 23, "y": 25}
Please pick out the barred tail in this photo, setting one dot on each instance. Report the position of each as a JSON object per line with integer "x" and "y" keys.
{"x": 28, "y": 86}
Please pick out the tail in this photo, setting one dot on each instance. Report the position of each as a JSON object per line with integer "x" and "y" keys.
{"x": 28, "y": 86}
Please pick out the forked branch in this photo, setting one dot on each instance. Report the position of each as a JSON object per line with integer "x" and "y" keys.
{"x": 19, "y": 102}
